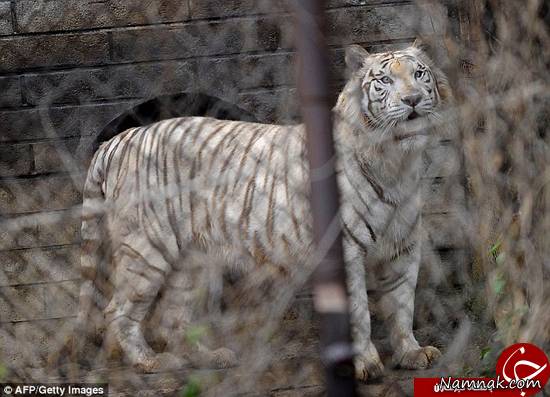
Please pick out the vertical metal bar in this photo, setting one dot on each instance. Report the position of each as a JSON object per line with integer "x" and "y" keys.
{"x": 330, "y": 294}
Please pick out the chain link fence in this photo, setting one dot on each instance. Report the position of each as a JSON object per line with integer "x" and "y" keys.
{"x": 74, "y": 75}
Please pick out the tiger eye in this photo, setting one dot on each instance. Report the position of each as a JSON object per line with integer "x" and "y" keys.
{"x": 386, "y": 80}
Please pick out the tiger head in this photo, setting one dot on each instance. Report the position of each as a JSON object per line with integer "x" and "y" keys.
{"x": 394, "y": 93}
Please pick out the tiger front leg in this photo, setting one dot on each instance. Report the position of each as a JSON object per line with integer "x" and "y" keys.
{"x": 396, "y": 285}
{"x": 368, "y": 364}
{"x": 137, "y": 282}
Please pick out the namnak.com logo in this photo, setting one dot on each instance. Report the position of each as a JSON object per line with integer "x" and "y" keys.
{"x": 522, "y": 370}
{"x": 521, "y": 363}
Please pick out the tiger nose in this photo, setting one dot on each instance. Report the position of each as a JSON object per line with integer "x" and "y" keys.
{"x": 412, "y": 100}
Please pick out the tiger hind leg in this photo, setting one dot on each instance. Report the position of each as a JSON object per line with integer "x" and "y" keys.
{"x": 188, "y": 304}
{"x": 137, "y": 283}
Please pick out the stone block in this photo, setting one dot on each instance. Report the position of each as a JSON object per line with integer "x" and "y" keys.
{"x": 39, "y": 194}
{"x": 6, "y": 24}
{"x": 232, "y": 8}
{"x": 66, "y": 155}
{"x": 28, "y": 52}
{"x": 22, "y": 302}
{"x": 15, "y": 160}
{"x": 116, "y": 82}
{"x": 41, "y": 229}
{"x": 62, "y": 227}
{"x": 93, "y": 118}
{"x": 358, "y": 3}
{"x": 30, "y": 124}
{"x": 37, "y": 339}
{"x": 55, "y": 15}
{"x": 202, "y": 39}
{"x": 10, "y": 350}
{"x": 61, "y": 299}
{"x": 372, "y": 24}
{"x": 11, "y": 91}
{"x": 272, "y": 106}
{"x": 36, "y": 265}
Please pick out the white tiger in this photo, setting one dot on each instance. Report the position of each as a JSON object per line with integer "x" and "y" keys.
{"x": 239, "y": 191}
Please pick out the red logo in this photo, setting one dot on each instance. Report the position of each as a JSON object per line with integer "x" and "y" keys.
{"x": 522, "y": 362}
{"x": 522, "y": 370}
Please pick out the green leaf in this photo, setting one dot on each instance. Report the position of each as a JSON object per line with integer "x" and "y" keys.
{"x": 195, "y": 334}
{"x": 192, "y": 388}
{"x": 3, "y": 372}
{"x": 484, "y": 352}
{"x": 498, "y": 284}
{"x": 495, "y": 248}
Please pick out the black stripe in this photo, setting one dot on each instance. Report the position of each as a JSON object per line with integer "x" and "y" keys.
{"x": 222, "y": 172}
{"x": 255, "y": 136}
{"x": 270, "y": 214}
{"x": 367, "y": 224}
{"x": 198, "y": 130}
{"x": 124, "y": 159}
{"x": 288, "y": 196}
{"x": 223, "y": 221}
{"x": 372, "y": 181}
{"x": 168, "y": 199}
{"x": 148, "y": 170}
{"x": 409, "y": 249}
{"x": 383, "y": 287}
{"x": 109, "y": 158}
{"x": 158, "y": 152}
{"x": 357, "y": 191}
{"x": 247, "y": 206}
{"x": 269, "y": 159}
{"x": 249, "y": 198}
{"x": 139, "y": 151}
{"x": 216, "y": 150}
{"x": 148, "y": 224}
{"x": 192, "y": 196}
{"x": 384, "y": 62}
{"x": 348, "y": 232}
{"x": 228, "y": 158}
{"x": 177, "y": 155}
{"x": 204, "y": 143}
{"x": 137, "y": 254}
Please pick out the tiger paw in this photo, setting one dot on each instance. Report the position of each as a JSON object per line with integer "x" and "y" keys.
{"x": 217, "y": 359}
{"x": 159, "y": 363}
{"x": 420, "y": 358}
{"x": 368, "y": 365}
{"x": 223, "y": 358}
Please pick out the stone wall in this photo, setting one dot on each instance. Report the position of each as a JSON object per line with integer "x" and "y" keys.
{"x": 68, "y": 68}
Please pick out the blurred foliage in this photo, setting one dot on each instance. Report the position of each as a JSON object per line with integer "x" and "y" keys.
{"x": 192, "y": 388}
{"x": 3, "y": 372}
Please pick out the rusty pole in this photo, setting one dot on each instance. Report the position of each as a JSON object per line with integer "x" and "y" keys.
{"x": 329, "y": 281}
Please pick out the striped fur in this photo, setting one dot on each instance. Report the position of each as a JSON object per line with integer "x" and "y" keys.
{"x": 238, "y": 192}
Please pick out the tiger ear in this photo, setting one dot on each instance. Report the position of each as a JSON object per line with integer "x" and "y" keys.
{"x": 355, "y": 57}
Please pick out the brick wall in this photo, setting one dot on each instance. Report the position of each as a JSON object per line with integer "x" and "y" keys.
{"x": 68, "y": 68}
